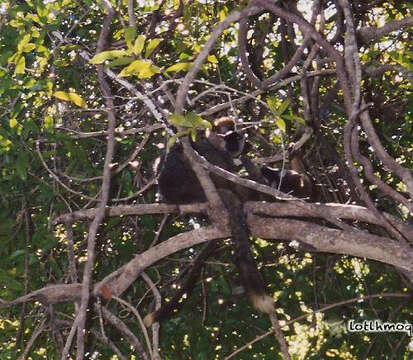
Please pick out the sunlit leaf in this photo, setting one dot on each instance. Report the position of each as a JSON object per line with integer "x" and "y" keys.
{"x": 272, "y": 104}
{"x": 189, "y": 120}
{"x": 171, "y": 141}
{"x": 107, "y": 55}
{"x": 48, "y": 123}
{"x": 213, "y": 59}
{"x": 196, "y": 121}
{"x": 72, "y": 97}
{"x": 125, "y": 60}
{"x": 5, "y": 143}
{"x": 20, "y": 65}
{"x": 148, "y": 72}
{"x": 193, "y": 134}
{"x": 179, "y": 120}
{"x": 294, "y": 118}
{"x": 130, "y": 34}
{"x": 139, "y": 44}
{"x": 284, "y": 105}
{"x": 135, "y": 68}
{"x": 12, "y": 59}
{"x": 151, "y": 46}
{"x": 222, "y": 14}
{"x": 281, "y": 123}
{"x": 179, "y": 67}
{"x": 28, "y": 47}
{"x": 42, "y": 61}
{"x": 145, "y": 73}
{"x": 23, "y": 42}
{"x": 61, "y": 62}
{"x": 206, "y": 124}
{"x": 13, "y": 122}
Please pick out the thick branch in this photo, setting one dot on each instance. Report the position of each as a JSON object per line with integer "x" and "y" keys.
{"x": 125, "y": 210}
{"x": 80, "y": 320}
{"x": 370, "y": 33}
{"x": 341, "y": 211}
{"x": 355, "y": 243}
{"x": 121, "y": 279}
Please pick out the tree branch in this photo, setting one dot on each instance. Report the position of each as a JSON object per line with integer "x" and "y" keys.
{"x": 367, "y": 34}
{"x": 354, "y": 243}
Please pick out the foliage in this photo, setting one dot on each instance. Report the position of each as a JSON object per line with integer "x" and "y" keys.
{"x": 53, "y": 146}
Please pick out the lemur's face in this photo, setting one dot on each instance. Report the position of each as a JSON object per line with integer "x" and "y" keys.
{"x": 234, "y": 142}
{"x": 229, "y": 139}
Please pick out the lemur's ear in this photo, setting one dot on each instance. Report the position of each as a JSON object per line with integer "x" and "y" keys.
{"x": 224, "y": 125}
{"x": 292, "y": 150}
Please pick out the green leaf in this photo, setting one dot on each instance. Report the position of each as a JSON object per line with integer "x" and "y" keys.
{"x": 6, "y": 226}
{"x": 179, "y": 120}
{"x": 130, "y": 34}
{"x": 152, "y": 46}
{"x": 134, "y": 68}
{"x": 179, "y": 67}
{"x": 139, "y": 44}
{"x": 141, "y": 68}
{"x": 125, "y": 60}
{"x": 189, "y": 120}
{"x": 42, "y": 11}
{"x": 13, "y": 122}
{"x": 73, "y": 97}
{"x": 16, "y": 254}
{"x": 171, "y": 141}
{"x": 23, "y": 42}
{"x": 212, "y": 59}
{"x": 13, "y": 58}
{"x": 22, "y": 163}
{"x": 49, "y": 123}
{"x": 222, "y": 14}
{"x": 28, "y": 47}
{"x": 280, "y": 123}
{"x": 61, "y": 62}
{"x": 197, "y": 121}
{"x": 193, "y": 117}
{"x": 107, "y": 55}
{"x": 294, "y": 118}
{"x": 193, "y": 134}
{"x": 149, "y": 72}
{"x": 284, "y": 105}
{"x": 5, "y": 143}
{"x": 277, "y": 110}
{"x": 145, "y": 73}
{"x": 206, "y": 124}
{"x": 272, "y": 104}
{"x": 20, "y": 65}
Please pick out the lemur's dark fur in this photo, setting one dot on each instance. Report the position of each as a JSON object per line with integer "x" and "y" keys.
{"x": 177, "y": 181}
{"x": 294, "y": 181}
{"x": 178, "y": 184}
